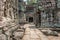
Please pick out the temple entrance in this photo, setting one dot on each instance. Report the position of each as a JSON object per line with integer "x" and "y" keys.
{"x": 30, "y": 19}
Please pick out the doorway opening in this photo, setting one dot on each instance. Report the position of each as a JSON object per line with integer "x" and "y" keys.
{"x": 30, "y": 19}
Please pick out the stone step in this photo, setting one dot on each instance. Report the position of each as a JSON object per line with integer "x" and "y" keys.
{"x": 41, "y": 35}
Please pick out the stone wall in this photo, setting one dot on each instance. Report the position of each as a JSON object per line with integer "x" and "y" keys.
{"x": 2, "y": 7}
{"x": 11, "y": 9}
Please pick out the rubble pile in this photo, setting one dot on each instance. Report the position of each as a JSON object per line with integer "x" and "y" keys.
{"x": 50, "y": 32}
{"x": 9, "y": 27}
{"x": 18, "y": 34}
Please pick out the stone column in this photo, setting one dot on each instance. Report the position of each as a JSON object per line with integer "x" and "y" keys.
{"x": 1, "y": 8}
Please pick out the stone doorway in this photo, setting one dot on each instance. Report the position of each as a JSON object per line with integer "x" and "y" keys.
{"x": 30, "y": 19}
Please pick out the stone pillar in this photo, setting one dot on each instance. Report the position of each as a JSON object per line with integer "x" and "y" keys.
{"x": 1, "y": 8}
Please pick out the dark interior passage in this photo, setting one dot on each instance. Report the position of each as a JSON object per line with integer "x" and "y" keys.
{"x": 30, "y": 19}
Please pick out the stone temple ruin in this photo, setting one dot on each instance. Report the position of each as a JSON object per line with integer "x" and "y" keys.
{"x": 29, "y": 19}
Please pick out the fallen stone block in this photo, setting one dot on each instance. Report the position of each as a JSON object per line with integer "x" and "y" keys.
{"x": 49, "y": 32}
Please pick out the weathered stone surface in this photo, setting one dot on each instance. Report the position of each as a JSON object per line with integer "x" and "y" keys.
{"x": 33, "y": 34}
{"x": 50, "y": 32}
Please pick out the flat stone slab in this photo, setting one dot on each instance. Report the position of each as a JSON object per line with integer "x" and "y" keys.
{"x": 41, "y": 35}
{"x": 30, "y": 35}
{"x": 33, "y": 34}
